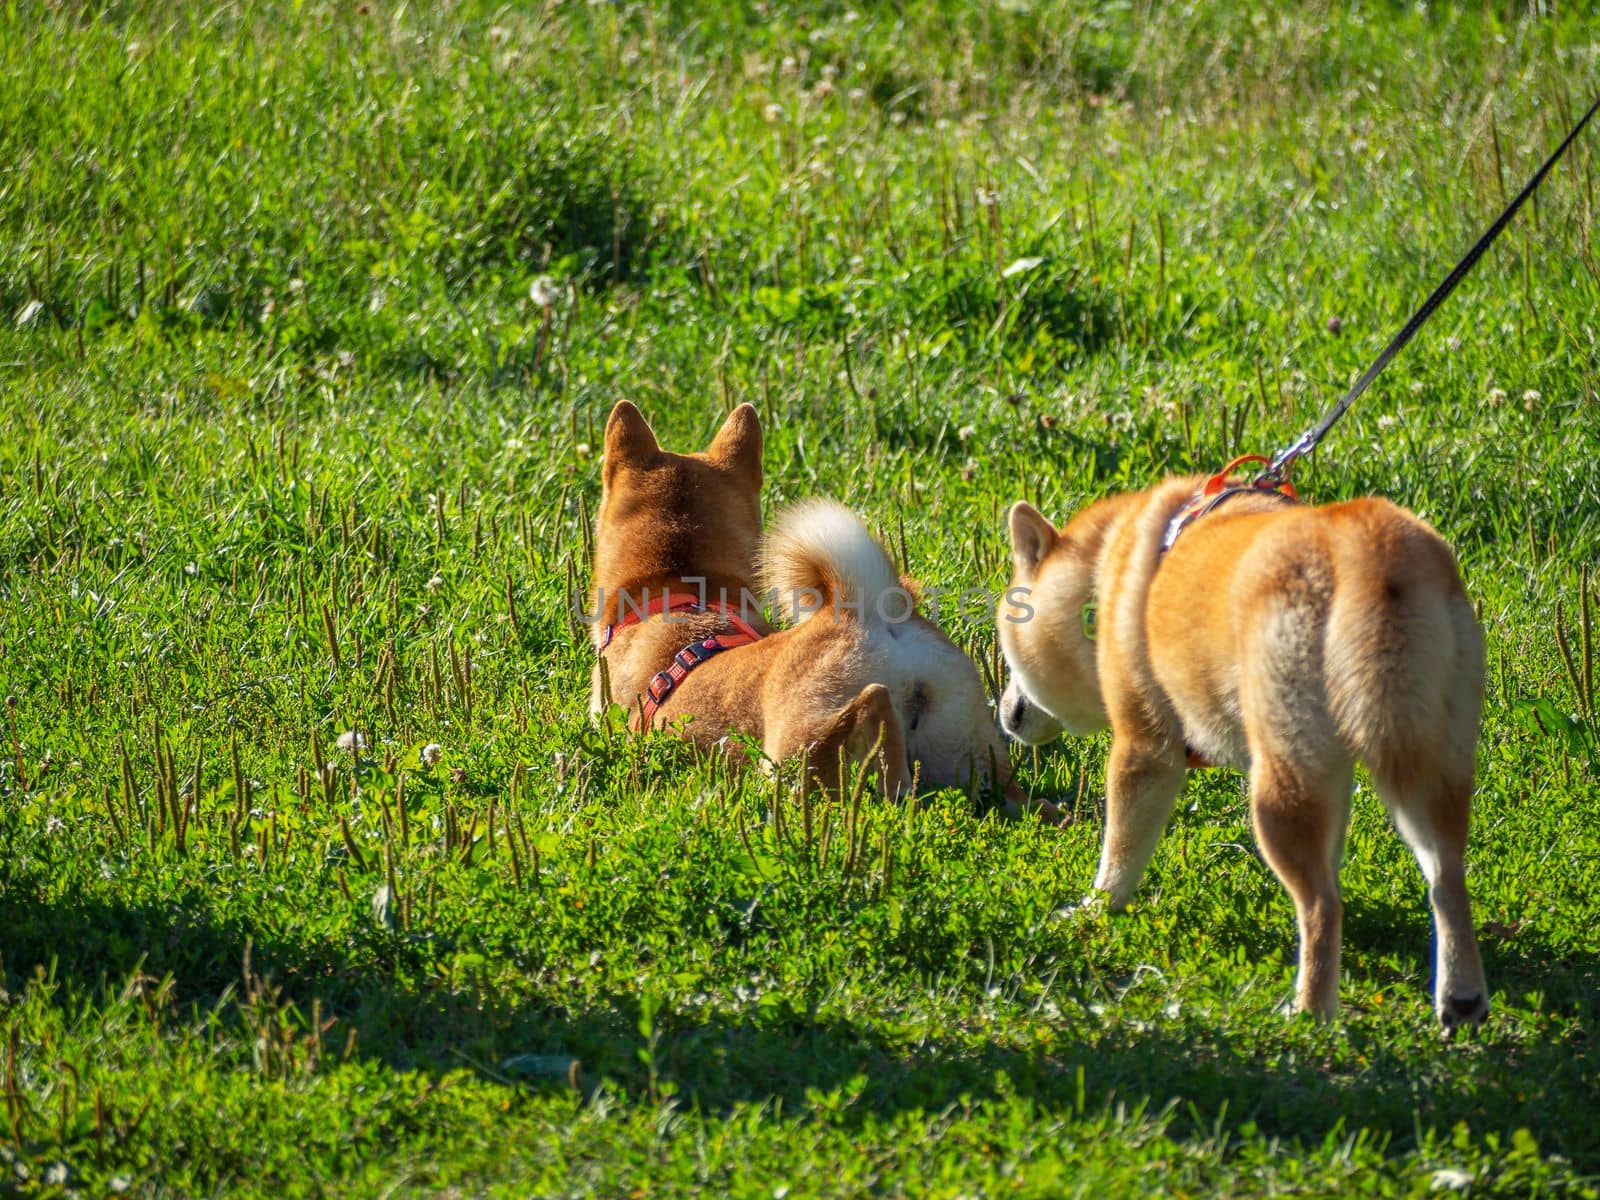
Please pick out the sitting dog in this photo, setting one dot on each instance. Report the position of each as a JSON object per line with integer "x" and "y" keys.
{"x": 859, "y": 677}
{"x": 1286, "y": 640}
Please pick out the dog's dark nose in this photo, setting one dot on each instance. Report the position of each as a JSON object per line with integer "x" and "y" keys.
{"x": 1017, "y": 710}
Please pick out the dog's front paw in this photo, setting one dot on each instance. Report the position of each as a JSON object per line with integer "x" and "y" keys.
{"x": 1017, "y": 804}
{"x": 1095, "y": 904}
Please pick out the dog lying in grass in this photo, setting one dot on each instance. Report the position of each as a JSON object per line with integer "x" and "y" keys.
{"x": 1286, "y": 640}
{"x": 859, "y": 677}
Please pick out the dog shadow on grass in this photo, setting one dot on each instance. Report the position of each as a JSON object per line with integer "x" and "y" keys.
{"x": 1199, "y": 1071}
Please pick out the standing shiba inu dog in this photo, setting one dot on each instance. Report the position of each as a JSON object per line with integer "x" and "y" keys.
{"x": 1288, "y": 641}
{"x": 859, "y": 677}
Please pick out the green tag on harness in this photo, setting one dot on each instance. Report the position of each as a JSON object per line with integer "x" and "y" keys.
{"x": 1091, "y": 620}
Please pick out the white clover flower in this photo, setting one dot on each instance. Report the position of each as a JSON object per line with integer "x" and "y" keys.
{"x": 1530, "y": 398}
{"x": 351, "y": 742}
{"x": 1497, "y": 395}
{"x": 431, "y": 753}
{"x": 772, "y": 112}
{"x": 1388, "y": 421}
{"x": 434, "y": 584}
{"x": 966, "y": 431}
{"x": 1417, "y": 387}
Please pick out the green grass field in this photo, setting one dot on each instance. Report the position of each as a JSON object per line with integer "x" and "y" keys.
{"x": 290, "y": 451}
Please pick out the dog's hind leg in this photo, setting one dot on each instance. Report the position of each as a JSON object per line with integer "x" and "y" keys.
{"x": 1425, "y": 781}
{"x": 866, "y": 731}
{"x": 1300, "y": 822}
{"x": 1431, "y": 815}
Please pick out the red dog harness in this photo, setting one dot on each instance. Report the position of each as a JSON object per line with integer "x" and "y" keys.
{"x": 1216, "y": 492}
{"x": 691, "y": 656}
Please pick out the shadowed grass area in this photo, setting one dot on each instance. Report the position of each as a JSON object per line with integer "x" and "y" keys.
{"x": 295, "y": 453}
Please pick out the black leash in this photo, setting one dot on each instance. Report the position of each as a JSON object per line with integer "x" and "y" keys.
{"x": 1307, "y": 441}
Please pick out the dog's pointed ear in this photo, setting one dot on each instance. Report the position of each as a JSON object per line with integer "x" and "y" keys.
{"x": 630, "y": 442}
{"x": 1032, "y": 537}
{"x": 737, "y": 445}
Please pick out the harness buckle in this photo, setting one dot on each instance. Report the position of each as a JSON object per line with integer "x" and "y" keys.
{"x": 661, "y": 685}
{"x": 695, "y": 653}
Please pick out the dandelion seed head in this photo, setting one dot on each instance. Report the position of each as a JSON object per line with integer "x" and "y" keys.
{"x": 544, "y": 291}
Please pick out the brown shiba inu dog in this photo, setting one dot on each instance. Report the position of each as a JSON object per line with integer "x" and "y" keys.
{"x": 1285, "y": 640}
{"x": 859, "y": 677}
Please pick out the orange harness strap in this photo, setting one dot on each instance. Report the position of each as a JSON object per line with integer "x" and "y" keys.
{"x": 1216, "y": 491}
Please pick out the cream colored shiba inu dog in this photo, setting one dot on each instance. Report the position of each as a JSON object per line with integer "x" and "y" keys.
{"x": 859, "y": 676}
{"x": 1288, "y": 641}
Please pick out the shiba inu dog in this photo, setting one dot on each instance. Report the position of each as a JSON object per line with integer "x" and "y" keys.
{"x": 1286, "y": 640}
{"x": 858, "y": 677}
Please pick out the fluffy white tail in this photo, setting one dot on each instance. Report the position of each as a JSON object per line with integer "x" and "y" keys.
{"x": 820, "y": 557}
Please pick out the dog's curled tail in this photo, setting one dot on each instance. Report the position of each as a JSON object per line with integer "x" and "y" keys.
{"x": 820, "y": 557}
